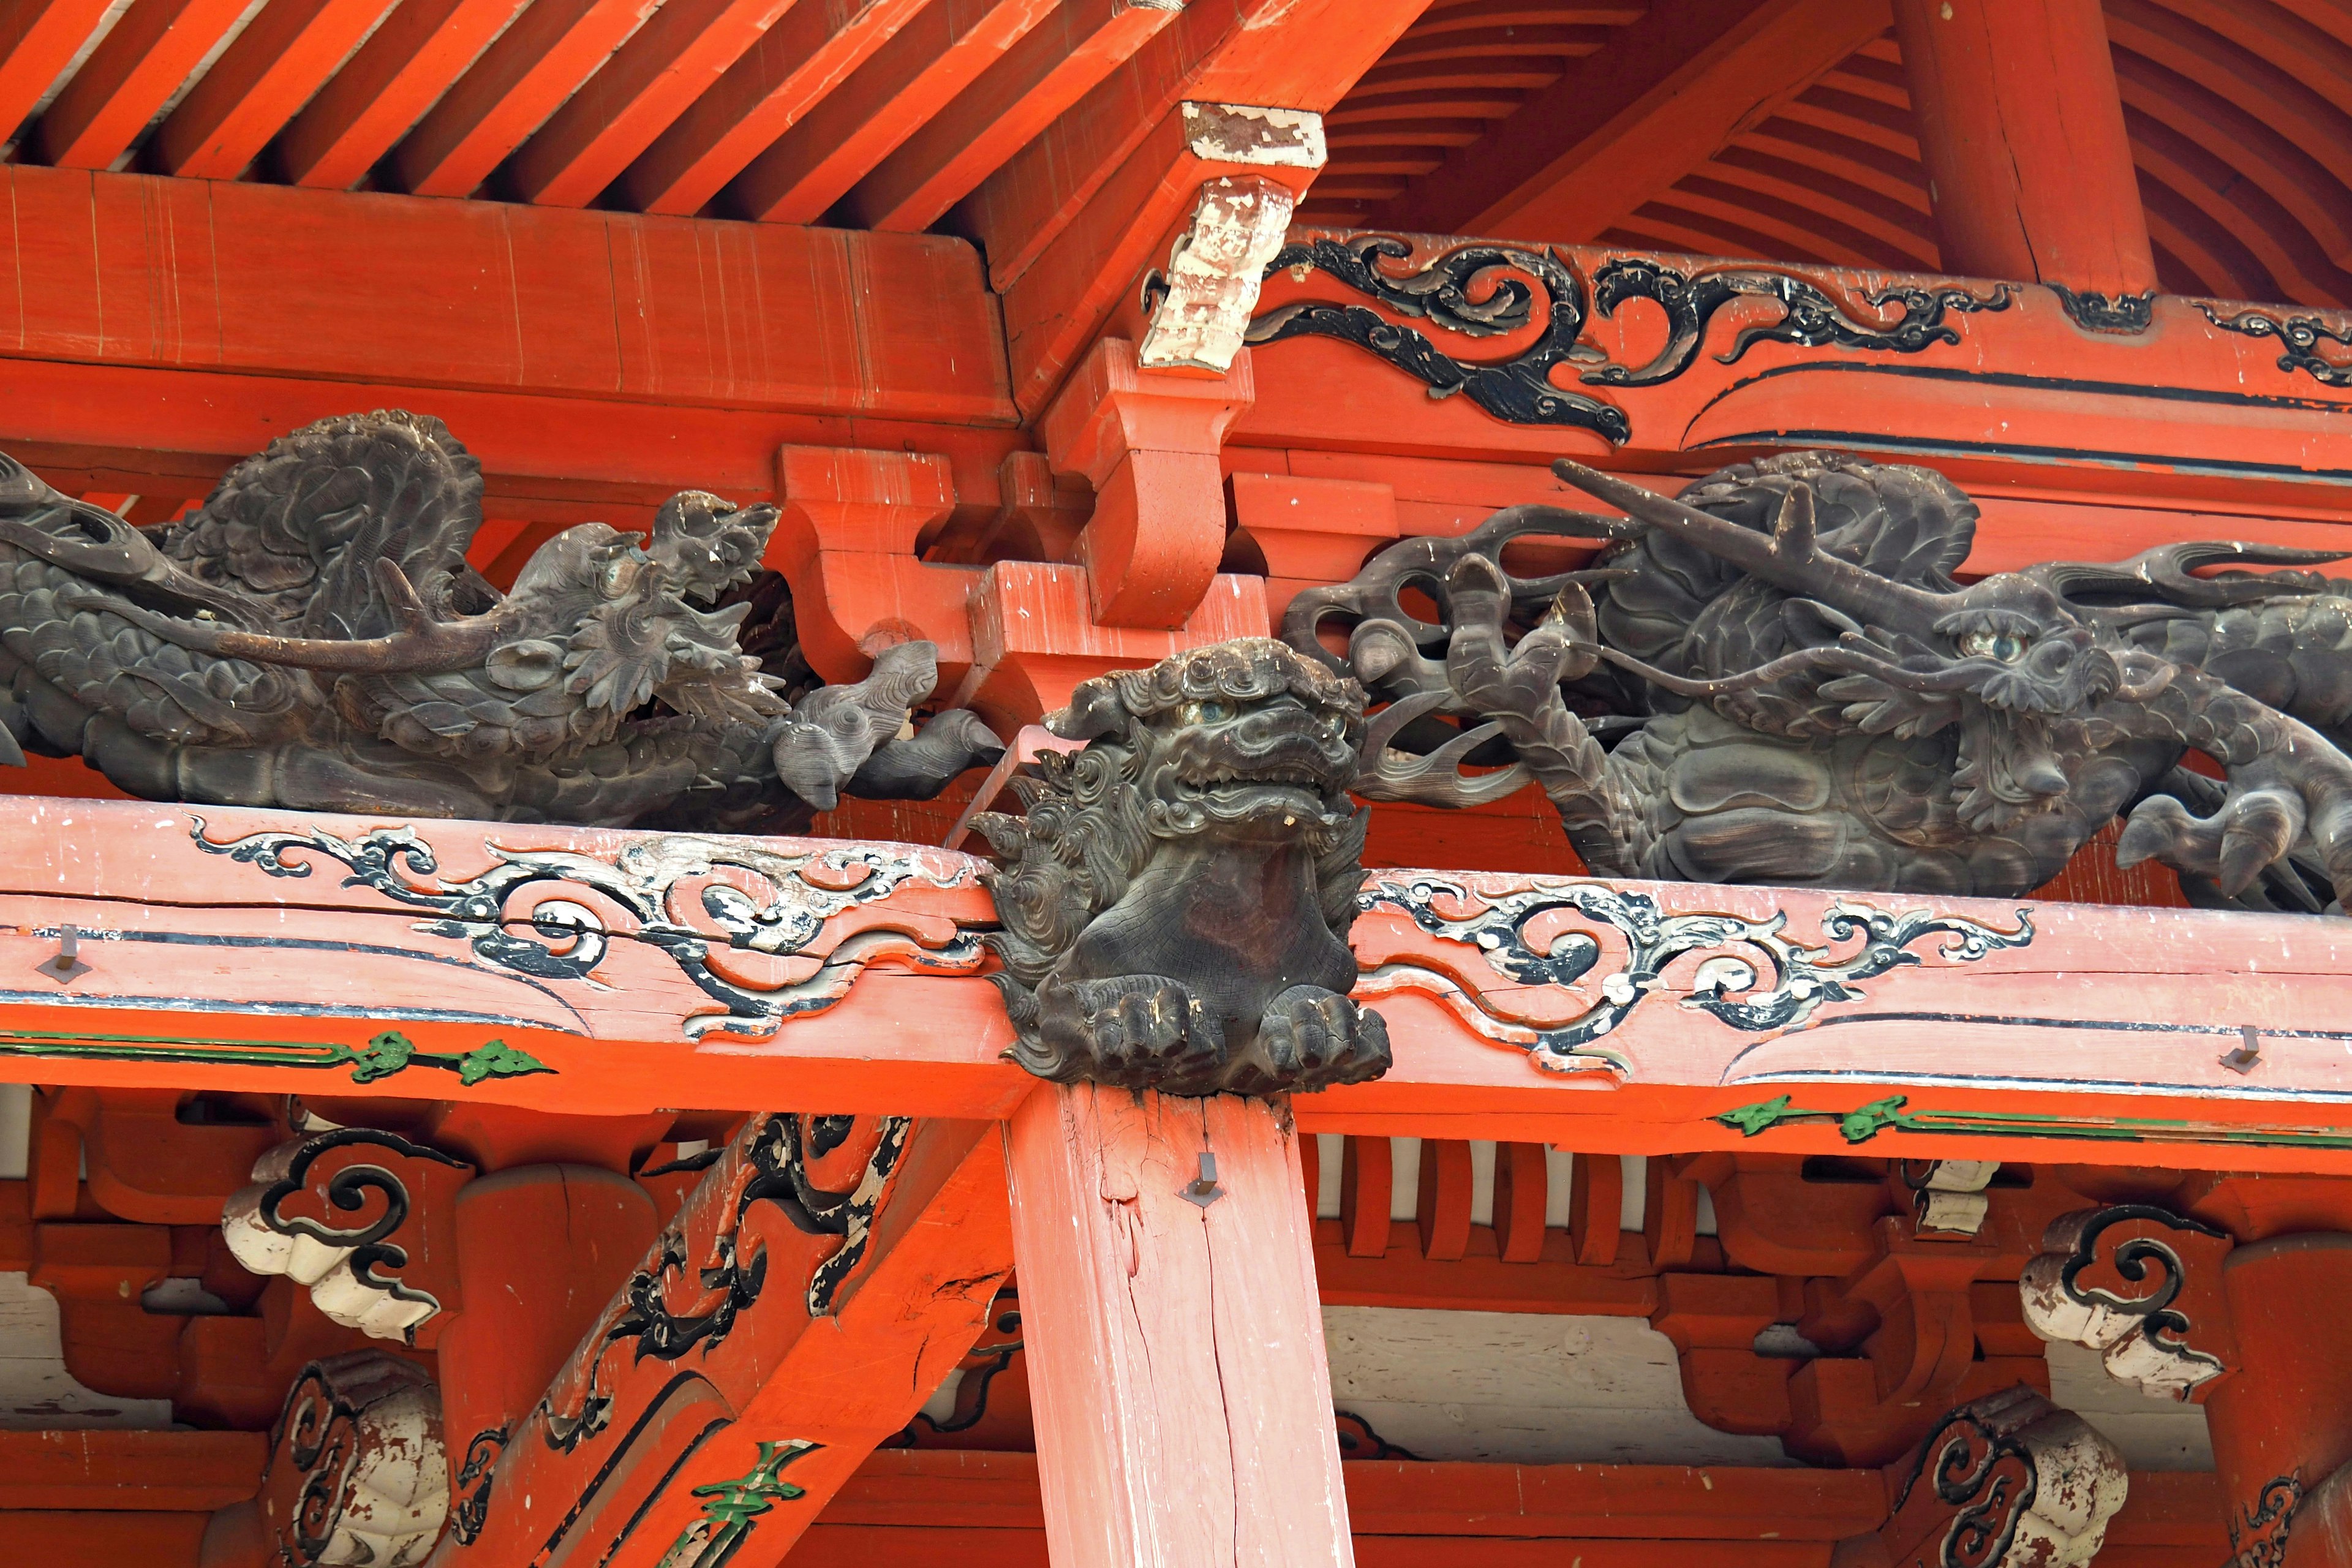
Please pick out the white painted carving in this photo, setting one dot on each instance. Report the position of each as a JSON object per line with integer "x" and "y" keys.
{"x": 338, "y": 1265}
{"x": 1952, "y": 1200}
{"x": 2015, "y": 1472}
{"x": 2142, "y": 1338}
{"x": 1260, "y": 138}
{"x": 357, "y": 1478}
{"x": 1210, "y": 287}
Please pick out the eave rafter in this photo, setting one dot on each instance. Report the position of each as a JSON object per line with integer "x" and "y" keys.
{"x": 1656, "y": 99}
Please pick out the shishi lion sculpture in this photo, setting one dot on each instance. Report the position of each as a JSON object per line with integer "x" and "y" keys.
{"x": 1777, "y": 678}
{"x": 1177, "y": 900}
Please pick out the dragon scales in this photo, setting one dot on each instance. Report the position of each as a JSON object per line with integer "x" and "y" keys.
{"x": 1777, "y": 678}
{"x": 312, "y": 636}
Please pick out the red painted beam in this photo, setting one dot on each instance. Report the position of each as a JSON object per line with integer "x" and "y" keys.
{"x": 681, "y": 53}
{"x": 37, "y": 40}
{"x": 536, "y": 64}
{"x": 1079, "y": 43}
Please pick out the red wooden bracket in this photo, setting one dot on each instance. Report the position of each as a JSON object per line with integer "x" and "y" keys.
{"x": 1148, "y": 441}
{"x": 853, "y": 522}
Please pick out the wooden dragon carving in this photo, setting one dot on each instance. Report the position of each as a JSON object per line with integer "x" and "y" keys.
{"x": 1777, "y": 678}
{"x": 311, "y": 636}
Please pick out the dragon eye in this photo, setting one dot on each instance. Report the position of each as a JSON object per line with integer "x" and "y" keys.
{"x": 1209, "y": 713}
{"x": 2007, "y": 648}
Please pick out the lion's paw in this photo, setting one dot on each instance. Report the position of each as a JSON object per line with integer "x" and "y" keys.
{"x": 1137, "y": 1031}
{"x": 1311, "y": 1038}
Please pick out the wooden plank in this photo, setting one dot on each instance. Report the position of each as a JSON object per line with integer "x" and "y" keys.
{"x": 821, "y": 1358}
{"x": 550, "y": 459}
{"x": 414, "y": 57}
{"x": 107, "y": 1539}
{"x": 508, "y": 93}
{"x": 254, "y": 89}
{"x": 905, "y": 81}
{"x": 2098, "y": 1038}
{"x": 129, "y": 269}
{"x": 946, "y": 1489}
{"x": 784, "y": 74}
{"x": 167, "y": 1472}
{"x": 1055, "y": 63}
{"x": 1175, "y": 1352}
{"x": 680, "y": 53}
{"x": 150, "y": 52}
{"x": 2022, "y": 135}
{"x": 1622, "y": 124}
{"x": 38, "y": 39}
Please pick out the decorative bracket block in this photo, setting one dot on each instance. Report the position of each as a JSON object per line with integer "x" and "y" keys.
{"x": 2007, "y": 1481}
{"x": 848, "y": 541}
{"x": 357, "y": 1473}
{"x": 353, "y": 1170}
{"x": 1148, "y": 440}
{"x": 1948, "y": 1199}
{"x": 1214, "y": 272}
{"x": 2140, "y": 1285}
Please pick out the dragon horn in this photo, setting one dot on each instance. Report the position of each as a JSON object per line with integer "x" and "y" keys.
{"x": 1787, "y": 559}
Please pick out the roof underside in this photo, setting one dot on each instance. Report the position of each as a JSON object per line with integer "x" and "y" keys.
{"x": 885, "y": 113}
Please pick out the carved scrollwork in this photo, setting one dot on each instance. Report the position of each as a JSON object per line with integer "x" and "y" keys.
{"x": 2009, "y": 1481}
{"x": 2097, "y": 313}
{"x": 2114, "y": 1279}
{"x": 1903, "y": 318}
{"x": 2259, "y": 1529}
{"x": 1468, "y": 291}
{"x": 470, "y": 1508}
{"x": 350, "y": 1171}
{"x": 2298, "y": 336}
{"x": 1484, "y": 291}
{"x": 357, "y": 1478}
{"x": 702, "y": 1277}
{"x": 565, "y": 938}
{"x": 1755, "y": 978}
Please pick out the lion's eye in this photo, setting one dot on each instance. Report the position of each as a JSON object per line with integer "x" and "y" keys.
{"x": 1209, "y": 713}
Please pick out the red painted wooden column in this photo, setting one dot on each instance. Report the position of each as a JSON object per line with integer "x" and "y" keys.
{"x": 2282, "y": 1425}
{"x": 2021, "y": 130}
{"x": 1175, "y": 1350}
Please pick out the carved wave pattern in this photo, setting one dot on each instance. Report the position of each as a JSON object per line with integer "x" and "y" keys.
{"x": 1491, "y": 291}
{"x": 699, "y": 1282}
{"x": 566, "y": 939}
{"x": 1756, "y": 979}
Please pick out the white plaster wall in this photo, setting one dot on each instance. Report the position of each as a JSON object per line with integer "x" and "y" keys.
{"x": 1523, "y": 1388}
{"x": 2151, "y": 1434}
{"x": 35, "y": 1390}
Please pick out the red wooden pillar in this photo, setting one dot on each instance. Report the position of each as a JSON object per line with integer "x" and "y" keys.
{"x": 1175, "y": 1350}
{"x": 2021, "y": 130}
{"x": 2282, "y": 1425}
